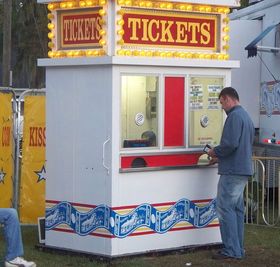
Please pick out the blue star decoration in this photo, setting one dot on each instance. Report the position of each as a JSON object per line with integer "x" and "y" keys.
{"x": 2, "y": 175}
{"x": 41, "y": 174}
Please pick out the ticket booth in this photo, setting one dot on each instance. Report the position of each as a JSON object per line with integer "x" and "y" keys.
{"x": 132, "y": 98}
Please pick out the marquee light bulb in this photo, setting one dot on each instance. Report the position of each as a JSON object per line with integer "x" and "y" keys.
{"x": 70, "y": 54}
{"x": 128, "y": 53}
{"x": 149, "y": 4}
{"x": 226, "y": 20}
{"x": 50, "y": 35}
{"x": 50, "y": 7}
{"x": 82, "y": 3}
{"x": 50, "y": 16}
{"x": 226, "y": 38}
{"x": 201, "y": 8}
{"x": 71, "y": 4}
{"x": 201, "y": 56}
{"x": 149, "y": 53}
{"x": 182, "y": 7}
{"x": 102, "y": 42}
{"x": 89, "y": 2}
{"x": 102, "y": 32}
{"x": 89, "y": 53}
{"x": 50, "y": 44}
{"x": 121, "y": 32}
{"x": 226, "y": 29}
{"x": 226, "y": 47}
{"x": 50, "y": 26}
{"x": 169, "y": 6}
{"x": 226, "y": 10}
{"x": 50, "y": 54}
{"x": 102, "y": 12}
{"x": 120, "y": 22}
{"x": 63, "y": 5}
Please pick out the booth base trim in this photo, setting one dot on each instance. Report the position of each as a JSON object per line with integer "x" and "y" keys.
{"x": 104, "y": 257}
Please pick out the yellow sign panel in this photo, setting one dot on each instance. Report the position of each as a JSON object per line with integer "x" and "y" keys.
{"x": 6, "y": 150}
{"x": 33, "y": 169}
{"x": 205, "y": 113}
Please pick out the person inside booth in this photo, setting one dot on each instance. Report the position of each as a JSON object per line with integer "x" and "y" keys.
{"x": 139, "y": 120}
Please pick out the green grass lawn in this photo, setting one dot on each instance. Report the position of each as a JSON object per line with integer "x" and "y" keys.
{"x": 262, "y": 246}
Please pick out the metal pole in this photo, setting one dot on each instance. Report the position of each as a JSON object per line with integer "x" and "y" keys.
{"x": 7, "y": 37}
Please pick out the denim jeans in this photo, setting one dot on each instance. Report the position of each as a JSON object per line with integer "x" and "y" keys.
{"x": 12, "y": 233}
{"x": 230, "y": 210}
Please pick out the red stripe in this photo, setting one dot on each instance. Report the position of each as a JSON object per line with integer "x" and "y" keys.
{"x": 137, "y": 234}
{"x": 130, "y": 206}
{"x": 72, "y": 232}
{"x": 169, "y": 160}
{"x": 174, "y": 111}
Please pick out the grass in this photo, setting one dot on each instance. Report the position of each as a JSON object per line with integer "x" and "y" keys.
{"x": 262, "y": 246}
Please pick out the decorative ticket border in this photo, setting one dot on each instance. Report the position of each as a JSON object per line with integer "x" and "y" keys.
{"x": 122, "y": 225}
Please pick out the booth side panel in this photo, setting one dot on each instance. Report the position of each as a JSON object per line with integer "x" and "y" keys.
{"x": 78, "y": 125}
{"x": 181, "y": 203}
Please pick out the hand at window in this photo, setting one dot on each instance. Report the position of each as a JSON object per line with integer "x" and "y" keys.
{"x": 213, "y": 161}
{"x": 212, "y": 153}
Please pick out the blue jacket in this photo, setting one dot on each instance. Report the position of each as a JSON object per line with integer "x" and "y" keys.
{"x": 235, "y": 149}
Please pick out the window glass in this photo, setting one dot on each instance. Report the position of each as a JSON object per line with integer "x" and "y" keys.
{"x": 205, "y": 113}
{"x": 139, "y": 107}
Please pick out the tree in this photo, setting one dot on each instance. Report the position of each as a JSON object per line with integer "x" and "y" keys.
{"x": 7, "y": 26}
{"x": 29, "y": 42}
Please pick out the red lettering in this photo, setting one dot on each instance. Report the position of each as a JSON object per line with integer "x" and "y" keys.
{"x": 37, "y": 136}
{"x": 32, "y": 138}
{"x": 6, "y": 136}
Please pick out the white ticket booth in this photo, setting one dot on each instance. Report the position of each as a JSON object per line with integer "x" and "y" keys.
{"x": 132, "y": 98}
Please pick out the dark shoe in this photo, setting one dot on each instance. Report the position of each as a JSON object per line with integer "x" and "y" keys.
{"x": 220, "y": 256}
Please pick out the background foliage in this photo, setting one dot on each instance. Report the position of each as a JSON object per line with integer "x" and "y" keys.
{"x": 30, "y": 41}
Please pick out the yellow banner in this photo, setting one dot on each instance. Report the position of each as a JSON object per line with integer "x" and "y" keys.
{"x": 33, "y": 170}
{"x": 6, "y": 150}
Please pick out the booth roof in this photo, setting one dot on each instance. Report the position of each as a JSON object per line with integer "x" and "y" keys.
{"x": 228, "y": 3}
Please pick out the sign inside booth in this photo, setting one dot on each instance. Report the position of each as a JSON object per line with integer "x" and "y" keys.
{"x": 185, "y": 31}
{"x": 79, "y": 29}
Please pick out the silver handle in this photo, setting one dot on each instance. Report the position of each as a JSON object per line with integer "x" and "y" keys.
{"x": 103, "y": 156}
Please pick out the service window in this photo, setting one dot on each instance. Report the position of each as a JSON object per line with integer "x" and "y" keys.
{"x": 205, "y": 113}
{"x": 139, "y": 111}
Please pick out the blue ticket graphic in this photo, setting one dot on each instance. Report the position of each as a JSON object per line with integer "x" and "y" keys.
{"x": 122, "y": 225}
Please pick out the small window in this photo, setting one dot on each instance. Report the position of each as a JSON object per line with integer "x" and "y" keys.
{"x": 139, "y": 111}
{"x": 205, "y": 113}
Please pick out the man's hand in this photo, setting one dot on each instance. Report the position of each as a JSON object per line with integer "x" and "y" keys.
{"x": 212, "y": 153}
{"x": 213, "y": 161}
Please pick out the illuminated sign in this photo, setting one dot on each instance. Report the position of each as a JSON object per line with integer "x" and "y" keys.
{"x": 80, "y": 29}
{"x": 171, "y": 30}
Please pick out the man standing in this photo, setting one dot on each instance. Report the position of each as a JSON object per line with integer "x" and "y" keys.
{"x": 234, "y": 157}
{"x": 12, "y": 234}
